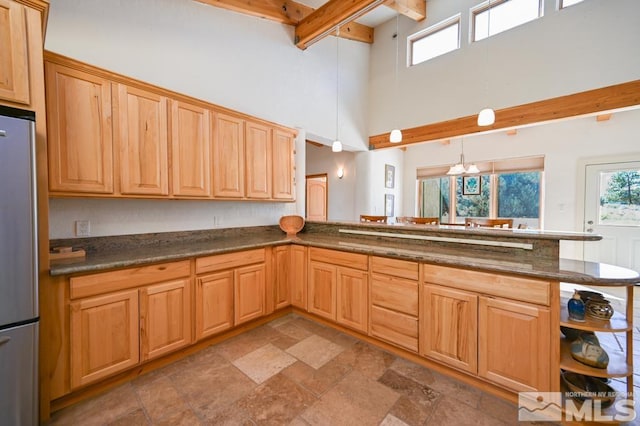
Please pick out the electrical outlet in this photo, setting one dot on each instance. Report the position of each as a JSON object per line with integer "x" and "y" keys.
{"x": 83, "y": 228}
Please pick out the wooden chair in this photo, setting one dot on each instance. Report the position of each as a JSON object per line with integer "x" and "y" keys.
{"x": 488, "y": 223}
{"x": 373, "y": 219}
{"x": 418, "y": 220}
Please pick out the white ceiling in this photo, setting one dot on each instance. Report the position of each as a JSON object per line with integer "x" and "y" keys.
{"x": 372, "y": 19}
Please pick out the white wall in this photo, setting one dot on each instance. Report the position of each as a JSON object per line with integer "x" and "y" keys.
{"x": 562, "y": 143}
{"x": 234, "y": 60}
{"x": 371, "y": 182}
{"x": 341, "y": 192}
{"x": 590, "y": 45}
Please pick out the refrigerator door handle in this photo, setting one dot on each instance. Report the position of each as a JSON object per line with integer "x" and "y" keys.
{"x": 4, "y": 339}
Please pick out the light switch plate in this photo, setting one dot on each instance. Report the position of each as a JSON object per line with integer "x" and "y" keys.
{"x": 83, "y": 228}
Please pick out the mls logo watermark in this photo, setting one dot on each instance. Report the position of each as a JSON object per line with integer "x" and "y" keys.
{"x": 549, "y": 407}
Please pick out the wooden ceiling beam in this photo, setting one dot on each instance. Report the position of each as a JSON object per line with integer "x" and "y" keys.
{"x": 289, "y": 13}
{"x": 324, "y": 20}
{"x": 414, "y": 9}
{"x": 609, "y": 98}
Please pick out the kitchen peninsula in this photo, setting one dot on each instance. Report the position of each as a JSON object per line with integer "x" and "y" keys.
{"x": 481, "y": 305}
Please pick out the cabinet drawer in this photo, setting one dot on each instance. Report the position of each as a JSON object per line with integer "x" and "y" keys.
{"x": 395, "y": 327}
{"x": 395, "y": 267}
{"x": 342, "y": 258}
{"x": 106, "y": 282}
{"x": 394, "y": 293}
{"x": 517, "y": 288}
{"x": 220, "y": 262}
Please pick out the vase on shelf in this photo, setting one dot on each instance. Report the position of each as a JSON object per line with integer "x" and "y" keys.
{"x": 599, "y": 309}
{"x": 576, "y": 308}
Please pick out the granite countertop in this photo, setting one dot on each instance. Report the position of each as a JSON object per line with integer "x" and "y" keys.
{"x": 120, "y": 252}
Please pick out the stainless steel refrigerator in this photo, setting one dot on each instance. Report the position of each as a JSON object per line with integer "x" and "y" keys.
{"x": 18, "y": 269}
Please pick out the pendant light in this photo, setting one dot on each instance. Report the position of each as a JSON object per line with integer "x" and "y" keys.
{"x": 396, "y": 134}
{"x": 460, "y": 168}
{"x": 487, "y": 116}
{"x": 337, "y": 145}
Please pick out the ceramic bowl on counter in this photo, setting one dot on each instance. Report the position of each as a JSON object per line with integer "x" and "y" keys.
{"x": 291, "y": 224}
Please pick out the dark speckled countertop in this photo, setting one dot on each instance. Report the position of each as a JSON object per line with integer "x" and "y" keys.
{"x": 104, "y": 253}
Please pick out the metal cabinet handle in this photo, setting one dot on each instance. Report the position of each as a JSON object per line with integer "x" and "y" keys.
{"x": 3, "y": 133}
{"x": 4, "y": 340}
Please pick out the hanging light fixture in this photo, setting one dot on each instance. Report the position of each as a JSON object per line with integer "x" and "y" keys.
{"x": 460, "y": 168}
{"x": 396, "y": 134}
{"x": 337, "y": 145}
{"x": 487, "y": 116}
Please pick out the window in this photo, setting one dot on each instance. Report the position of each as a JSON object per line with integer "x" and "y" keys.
{"x": 505, "y": 14}
{"x": 567, "y": 3}
{"x": 435, "y": 40}
{"x": 619, "y": 198}
{"x": 434, "y": 198}
{"x": 473, "y": 205}
{"x": 519, "y": 197}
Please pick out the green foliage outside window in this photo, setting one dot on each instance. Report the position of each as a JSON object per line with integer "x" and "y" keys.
{"x": 623, "y": 188}
{"x": 519, "y": 195}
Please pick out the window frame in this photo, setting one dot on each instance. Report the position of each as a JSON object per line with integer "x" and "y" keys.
{"x": 561, "y": 4}
{"x": 433, "y": 29}
{"x": 483, "y": 7}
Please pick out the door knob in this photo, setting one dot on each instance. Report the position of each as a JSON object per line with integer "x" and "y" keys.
{"x": 589, "y": 229}
{"x": 590, "y": 222}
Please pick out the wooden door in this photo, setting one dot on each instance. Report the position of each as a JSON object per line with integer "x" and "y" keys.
{"x": 322, "y": 289}
{"x": 165, "y": 318}
{"x": 298, "y": 279}
{"x": 283, "y": 165}
{"x": 190, "y": 150}
{"x": 214, "y": 304}
{"x": 449, "y": 327}
{"x": 104, "y": 336}
{"x": 282, "y": 276}
{"x": 14, "y": 59}
{"x": 249, "y": 292}
{"x": 514, "y": 344}
{"x": 228, "y": 157}
{"x": 141, "y": 141}
{"x": 80, "y": 135}
{"x": 258, "y": 151}
{"x": 352, "y": 304}
{"x": 317, "y": 198}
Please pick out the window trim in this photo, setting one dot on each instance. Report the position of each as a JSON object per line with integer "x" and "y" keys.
{"x": 426, "y": 32}
{"x": 562, "y": 6}
{"x": 483, "y": 7}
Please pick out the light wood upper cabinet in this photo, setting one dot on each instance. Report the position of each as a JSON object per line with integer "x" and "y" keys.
{"x": 228, "y": 156}
{"x": 249, "y": 292}
{"x": 352, "y": 298}
{"x": 258, "y": 152}
{"x": 104, "y": 336}
{"x": 141, "y": 140}
{"x": 190, "y": 150}
{"x": 298, "y": 277}
{"x": 214, "y": 304}
{"x": 283, "y": 165}
{"x": 449, "y": 327}
{"x": 14, "y": 60}
{"x": 514, "y": 346}
{"x": 80, "y": 133}
{"x": 165, "y": 318}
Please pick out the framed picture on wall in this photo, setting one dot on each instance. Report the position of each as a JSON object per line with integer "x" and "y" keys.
{"x": 471, "y": 185}
{"x": 389, "y": 176}
{"x": 388, "y": 205}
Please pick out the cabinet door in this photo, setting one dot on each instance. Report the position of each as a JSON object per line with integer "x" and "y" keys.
{"x": 104, "y": 336}
{"x": 257, "y": 148}
{"x": 283, "y": 165}
{"x": 449, "y": 327}
{"x": 514, "y": 344}
{"x": 190, "y": 150}
{"x": 142, "y": 141}
{"x": 214, "y": 304}
{"x": 352, "y": 304}
{"x": 165, "y": 318}
{"x": 282, "y": 276}
{"x": 249, "y": 292}
{"x": 228, "y": 157}
{"x": 298, "y": 280}
{"x": 322, "y": 289}
{"x": 14, "y": 61}
{"x": 80, "y": 134}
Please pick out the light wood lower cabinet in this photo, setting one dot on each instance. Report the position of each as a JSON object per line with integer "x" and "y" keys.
{"x": 322, "y": 289}
{"x": 352, "y": 298}
{"x": 449, "y": 327}
{"x": 104, "y": 336}
{"x": 249, "y": 292}
{"x": 165, "y": 318}
{"x": 298, "y": 279}
{"x": 214, "y": 304}
{"x": 282, "y": 277}
{"x": 514, "y": 344}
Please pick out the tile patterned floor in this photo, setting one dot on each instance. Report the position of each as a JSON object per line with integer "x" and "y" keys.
{"x": 291, "y": 371}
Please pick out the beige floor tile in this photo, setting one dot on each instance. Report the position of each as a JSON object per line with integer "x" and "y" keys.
{"x": 356, "y": 398}
{"x": 315, "y": 351}
{"x": 391, "y": 420}
{"x": 367, "y": 359}
{"x": 264, "y": 363}
{"x": 450, "y": 412}
{"x": 181, "y": 418}
{"x": 293, "y": 330}
{"x": 135, "y": 418}
{"x": 456, "y": 389}
{"x": 230, "y": 415}
{"x": 410, "y": 412}
{"x": 316, "y": 381}
{"x": 416, "y": 392}
{"x": 160, "y": 398}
